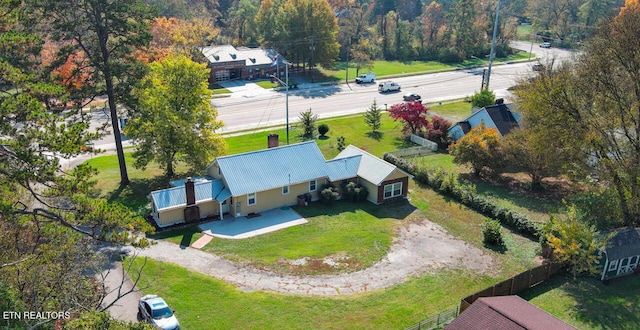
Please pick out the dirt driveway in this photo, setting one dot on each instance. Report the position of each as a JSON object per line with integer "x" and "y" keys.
{"x": 419, "y": 248}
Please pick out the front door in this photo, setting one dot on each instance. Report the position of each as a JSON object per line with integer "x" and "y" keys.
{"x": 238, "y": 208}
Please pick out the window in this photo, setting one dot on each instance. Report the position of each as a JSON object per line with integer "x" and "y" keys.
{"x": 393, "y": 190}
{"x": 285, "y": 190}
{"x": 251, "y": 199}
{"x": 613, "y": 265}
{"x": 313, "y": 185}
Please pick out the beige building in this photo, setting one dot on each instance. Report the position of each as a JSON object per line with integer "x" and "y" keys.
{"x": 253, "y": 182}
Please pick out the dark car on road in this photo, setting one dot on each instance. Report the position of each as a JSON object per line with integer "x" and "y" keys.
{"x": 412, "y": 97}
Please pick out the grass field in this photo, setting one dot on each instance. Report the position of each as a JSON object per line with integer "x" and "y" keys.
{"x": 364, "y": 233}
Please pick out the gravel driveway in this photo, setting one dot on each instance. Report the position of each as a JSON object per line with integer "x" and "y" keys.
{"x": 419, "y": 248}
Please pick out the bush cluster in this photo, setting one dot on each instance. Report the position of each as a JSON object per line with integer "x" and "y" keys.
{"x": 354, "y": 192}
{"x": 328, "y": 194}
{"x": 448, "y": 185}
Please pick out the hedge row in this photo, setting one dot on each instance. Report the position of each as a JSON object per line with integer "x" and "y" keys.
{"x": 447, "y": 184}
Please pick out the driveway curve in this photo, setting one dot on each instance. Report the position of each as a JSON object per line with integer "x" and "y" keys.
{"x": 419, "y": 248}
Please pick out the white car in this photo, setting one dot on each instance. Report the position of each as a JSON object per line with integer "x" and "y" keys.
{"x": 155, "y": 310}
{"x": 545, "y": 45}
{"x": 388, "y": 86}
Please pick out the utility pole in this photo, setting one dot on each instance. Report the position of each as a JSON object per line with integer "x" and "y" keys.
{"x": 286, "y": 94}
{"x": 493, "y": 46}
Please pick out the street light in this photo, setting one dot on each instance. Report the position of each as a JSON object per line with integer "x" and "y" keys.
{"x": 286, "y": 95}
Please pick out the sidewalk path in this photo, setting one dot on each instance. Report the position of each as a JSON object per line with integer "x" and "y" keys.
{"x": 418, "y": 249}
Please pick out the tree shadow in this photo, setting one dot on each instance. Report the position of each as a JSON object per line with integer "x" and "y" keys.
{"x": 613, "y": 306}
{"x": 502, "y": 249}
{"x": 375, "y": 135}
{"x": 323, "y": 137}
{"x": 134, "y": 195}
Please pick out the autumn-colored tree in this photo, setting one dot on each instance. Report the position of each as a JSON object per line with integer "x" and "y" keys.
{"x": 574, "y": 243}
{"x": 437, "y": 131}
{"x": 107, "y": 32}
{"x": 412, "y": 114}
{"x": 303, "y": 30}
{"x": 50, "y": 225}
{"x": 588, "y": 111}
{"x": 176, "y": 122}
{"x": 522, "y": 153}
{"x": 479, "y": 148}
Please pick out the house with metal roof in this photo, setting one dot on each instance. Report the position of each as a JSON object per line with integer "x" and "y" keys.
{"x": 257, "y": 181}
{"x": 228, "y": 63}
{"x": 621, "y": 253}
{"x": 498, "y": 116}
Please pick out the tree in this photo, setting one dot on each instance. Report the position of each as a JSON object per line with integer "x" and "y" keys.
{"x": 574, "y": 243}
{"x": 412, "y": 114}
{"x": 437, "y": 131}
{"x": 483, "y": 98}
{"x": 373, "y": 116}
{"x": 479, "y": 147}
{"x": 590, "y": 110}
{"x": 323, "y": 129}
{"x": 522, "y": 154}
{"x": 50, "y": 226}
{"x": 107, "y": 32}
{"x": 308, "y": 121}
{"x": 301, "y": 29}
{"x": 176, "y": 122}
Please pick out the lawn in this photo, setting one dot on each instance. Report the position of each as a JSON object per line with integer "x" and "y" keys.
{"x": 388, "y": 69}
{"x": 202, "y": 302}
{"x": 356, "y": 234}
{"x": 588, "y": 304}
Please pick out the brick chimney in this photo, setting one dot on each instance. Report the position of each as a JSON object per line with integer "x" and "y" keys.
{"x": 190, "y": 191}
{"x": 272, "y": 140}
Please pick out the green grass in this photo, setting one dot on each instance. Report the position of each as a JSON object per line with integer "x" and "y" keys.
{"x": 353, "y": 128}
{"x": 184, "y": 236}
{"x": 586, "y": 303}
{"x": 355, "y": 234}
{"x": 524, "y": 32}
{"x": 202, "y": 302}
{"x": 455, "y": 111}
{"x": 534, "y": 206}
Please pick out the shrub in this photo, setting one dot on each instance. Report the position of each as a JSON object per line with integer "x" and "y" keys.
{"x": 437, "y": 131}
{"x": 483, "y": 98}
{"x": 341, "y": 143}
{"x": 492, "y": 232}
{"x": 355, "y": 192}
{"x": 323, "y": 129}
{"x": 328, "y": 194}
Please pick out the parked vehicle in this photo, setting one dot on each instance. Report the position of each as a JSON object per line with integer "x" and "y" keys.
{"x": 545, "y": 45}
{"x": 368, "y": 77}
{"x": 537, "y": 67}
{"x": 412, "y": 97}
{"x": 388, "y": 86}
{"x": 155, "y": 311}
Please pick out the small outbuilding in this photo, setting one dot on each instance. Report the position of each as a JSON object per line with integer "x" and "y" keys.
{"x": 506, "y": 313}
{"x": 621, "y": 253}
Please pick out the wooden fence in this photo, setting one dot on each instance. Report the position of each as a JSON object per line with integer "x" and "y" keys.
{"x": 522, "y": 281}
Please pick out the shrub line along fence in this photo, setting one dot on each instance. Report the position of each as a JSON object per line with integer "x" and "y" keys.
{"x": 448, "y": 185}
